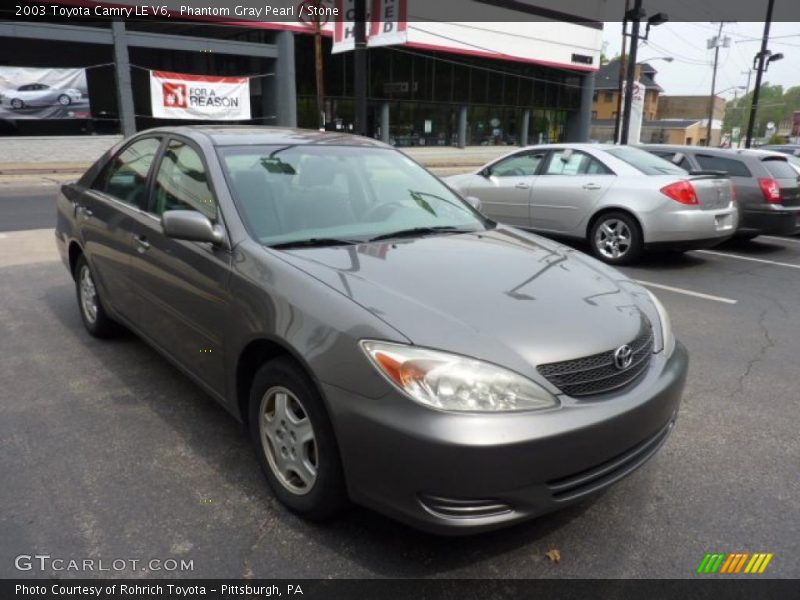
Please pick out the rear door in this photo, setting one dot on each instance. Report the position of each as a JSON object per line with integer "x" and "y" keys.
{"x": 182, "y": 286}
{"x": 105, "y": 214}
{"x": 570, "y": 186}
{"x": 505, "y": 187}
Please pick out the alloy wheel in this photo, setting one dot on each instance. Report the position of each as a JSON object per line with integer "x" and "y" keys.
{"x": 88, "y": 293}
{"x": 613, "y": 238}
{"x": 288, "y": 440}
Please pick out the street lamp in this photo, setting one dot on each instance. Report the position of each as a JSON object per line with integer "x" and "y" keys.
{"x": 635, "y": 15}
{"x": 664, "y": 58}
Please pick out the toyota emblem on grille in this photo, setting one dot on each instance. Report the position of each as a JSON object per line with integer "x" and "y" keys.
{"x": 623, "y": 357}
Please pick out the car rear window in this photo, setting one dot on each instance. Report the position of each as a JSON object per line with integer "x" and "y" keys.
{"x": 779, "y": 168}
{"x": 645, "y": 162}
{"x": 733, "y": 167}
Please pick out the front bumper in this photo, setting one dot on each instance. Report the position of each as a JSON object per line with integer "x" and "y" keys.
{"x": 464, "y": 473}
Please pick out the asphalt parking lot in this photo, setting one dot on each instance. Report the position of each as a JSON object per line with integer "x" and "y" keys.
{"x": 108, "y": 452}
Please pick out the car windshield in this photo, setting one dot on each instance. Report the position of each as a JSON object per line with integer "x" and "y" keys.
{"x": 645, "y": 162}
{"x": 323, "y": 195}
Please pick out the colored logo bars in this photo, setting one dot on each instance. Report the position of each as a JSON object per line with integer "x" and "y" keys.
{"x": 742, "y": 562}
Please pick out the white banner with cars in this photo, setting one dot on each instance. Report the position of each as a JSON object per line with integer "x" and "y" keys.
{"x": 34, "y": 93}
{"x": 199, "y": 97}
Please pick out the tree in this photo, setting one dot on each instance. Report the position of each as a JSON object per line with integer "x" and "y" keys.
{"x": 774, "y": 105}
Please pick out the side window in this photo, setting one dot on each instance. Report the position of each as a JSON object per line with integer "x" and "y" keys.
{"x": 670, "y": 156}
{"x": 519, "y": 165}
{"x": 734, "y": 168}
{"x": 125, "y": 175}
{"x": 181, "y": 182}
{"x": 575, "y": 163}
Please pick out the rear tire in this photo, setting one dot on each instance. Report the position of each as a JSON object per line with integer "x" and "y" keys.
{"x": 93, "y": 315}
{"x": 294, "y": 441}
{"x": 615, "y": 238}
{"x": 17, "y": 104}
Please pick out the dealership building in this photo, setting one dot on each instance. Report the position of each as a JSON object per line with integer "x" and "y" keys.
{"x": 526, "y": 77}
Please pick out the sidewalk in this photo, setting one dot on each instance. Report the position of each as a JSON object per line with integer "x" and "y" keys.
{"x": 54, "y": 160}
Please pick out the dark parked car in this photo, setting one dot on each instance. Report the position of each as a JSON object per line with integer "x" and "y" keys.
{"x": 381, "y": 340}
{"x": 767, "y": 186}
{"x": 790, "y": 149}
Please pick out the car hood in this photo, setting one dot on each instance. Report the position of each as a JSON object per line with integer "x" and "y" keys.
{"x": 503, "y": 295}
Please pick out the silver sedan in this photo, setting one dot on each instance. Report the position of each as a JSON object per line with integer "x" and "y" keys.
{"x": 622, "y": 200}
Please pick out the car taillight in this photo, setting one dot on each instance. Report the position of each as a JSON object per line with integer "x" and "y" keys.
{"x": 770, "y": 189}
{"x": 733, "y": 193}
{"x": 681, "y": 191}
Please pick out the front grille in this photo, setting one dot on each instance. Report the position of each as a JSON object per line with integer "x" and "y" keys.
{"x": 597, "y": 374}
{"x": 600, "y": 476}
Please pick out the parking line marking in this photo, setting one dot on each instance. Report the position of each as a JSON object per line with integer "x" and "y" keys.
{"x": 677, "y": 290}
{"x": 780, "y": 239}
{"x": 750, "y": 258}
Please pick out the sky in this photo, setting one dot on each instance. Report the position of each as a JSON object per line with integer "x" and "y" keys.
{"x": 690, "y": 71}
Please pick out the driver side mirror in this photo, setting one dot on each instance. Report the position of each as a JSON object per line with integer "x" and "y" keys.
{"x": 191, "y": 226}
{"x": 486, "y": 172}
{"x": 474, "y": 202}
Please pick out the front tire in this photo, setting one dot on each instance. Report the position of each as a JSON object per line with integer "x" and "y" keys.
{"x": 64, "y": 100}
{"x": 294, "y": 441}
{"x": 616, "y": 239}
{"x": 17, "y": 104}
{"x": 93, "y": 315}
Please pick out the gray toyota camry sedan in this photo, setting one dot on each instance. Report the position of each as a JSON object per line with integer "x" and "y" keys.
{"x": 382, "y": 341}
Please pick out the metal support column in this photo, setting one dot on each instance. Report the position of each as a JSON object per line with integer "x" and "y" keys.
{"x": 285, "y": 88}
{"x": 587, "y": 96}
{"x": 462, "y": 127}
{"x": 526, "y": 125}
{"x": 385, "y": 123}
{"x": 122, "y": 70}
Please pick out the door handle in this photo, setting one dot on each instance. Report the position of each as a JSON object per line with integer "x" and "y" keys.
{"x": 591, "y": 186}
{"x": 523, "y": 186}
{"x": 142, "y": 242}
{"x": 83, "y": 211}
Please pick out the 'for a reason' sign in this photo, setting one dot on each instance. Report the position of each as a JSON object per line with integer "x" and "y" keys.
{"x": 182, "y": 96}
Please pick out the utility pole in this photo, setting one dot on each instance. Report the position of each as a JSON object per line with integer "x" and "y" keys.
{"x": 631, "y": 70}
{"x": 762, "y": 58}
{"x": 749, "y": 74}
{"x": 621, "y": 75}
{"x": 360, "y": 70}
{"x": 715, "y": 43}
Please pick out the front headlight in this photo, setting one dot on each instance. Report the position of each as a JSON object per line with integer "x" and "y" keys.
{"x": 667, "y": 337}
{"x": 457, "y": 383}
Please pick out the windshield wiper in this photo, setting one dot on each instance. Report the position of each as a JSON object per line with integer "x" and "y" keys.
{"x": 420, "y": 231}
{"x": 314, "y": 243}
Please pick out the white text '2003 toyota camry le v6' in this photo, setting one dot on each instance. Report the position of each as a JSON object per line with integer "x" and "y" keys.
{"x": 382, "y": 341}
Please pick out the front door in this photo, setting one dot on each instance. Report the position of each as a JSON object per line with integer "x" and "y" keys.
{"x": 504, "y": 188}
{"x": 182, "y": 285}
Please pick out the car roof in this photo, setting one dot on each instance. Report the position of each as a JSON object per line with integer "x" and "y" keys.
{"x": 242, "y": 135}
{"x": 744, "y": 152}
